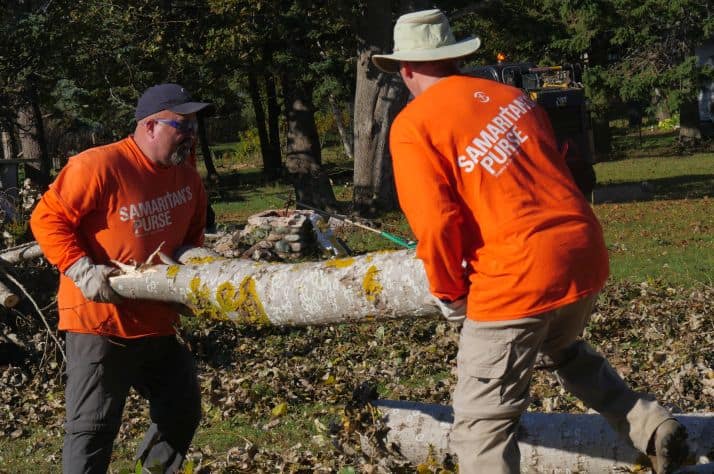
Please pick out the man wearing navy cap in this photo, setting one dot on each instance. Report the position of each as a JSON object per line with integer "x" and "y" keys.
{"x": 121, "y": 202}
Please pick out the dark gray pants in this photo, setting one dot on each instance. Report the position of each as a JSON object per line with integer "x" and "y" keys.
{"x": 100, "y": 371}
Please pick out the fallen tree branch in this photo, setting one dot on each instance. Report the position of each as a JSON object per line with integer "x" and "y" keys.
{"x": 549, "y": 442}
{"x": 12, "y": 256}
{"x": 39, "y": 311}
{"x": 373, "y": 286}
{"x": 20, "y": 253}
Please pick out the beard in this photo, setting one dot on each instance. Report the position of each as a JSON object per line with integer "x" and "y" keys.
{"x": 181, "y": 153}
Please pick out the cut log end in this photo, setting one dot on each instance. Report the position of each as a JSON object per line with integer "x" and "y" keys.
{"x": 7, "y": 298}
{"x": 9, "y": 301}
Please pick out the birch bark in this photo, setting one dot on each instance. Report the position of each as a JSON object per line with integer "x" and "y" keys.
{"x": 549, "y": 442}
{"x": 373, "y": 286}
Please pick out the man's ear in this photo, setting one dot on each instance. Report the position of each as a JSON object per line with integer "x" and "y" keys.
{"x": 149, "y": 125}
{"x": 406, "y": 69}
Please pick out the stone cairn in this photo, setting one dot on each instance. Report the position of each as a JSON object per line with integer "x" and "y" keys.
{"x": 272, "y": 235}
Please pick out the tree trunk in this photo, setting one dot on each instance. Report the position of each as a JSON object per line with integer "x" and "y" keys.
{"x": 276, "y": 160}
{"x": 260, "y": 123}
{"x": 303, "y": 161}
{"x": 206, "y": 150}
{"x": 380, "y": 285}
{"x": 378, "y": 99}
{"x": 549, "y": 442}
{"x": 689, "y": 130}
{"x": 602, "y": 138}
{"x": 32, "y": 142}
{"x": 8, "y": 172}
{"x": 345, "y": 135}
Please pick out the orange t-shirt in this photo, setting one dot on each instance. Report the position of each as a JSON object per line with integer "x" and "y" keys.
{"x": 481, "y": 181}
{"x": 113, "y": 203}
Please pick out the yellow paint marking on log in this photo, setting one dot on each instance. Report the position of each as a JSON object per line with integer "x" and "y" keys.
{"x": 371, "y": 286}
{"x": 340, "y": 262}
{"x": 172, "y": 271}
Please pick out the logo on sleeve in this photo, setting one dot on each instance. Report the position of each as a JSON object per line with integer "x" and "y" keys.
{"x": 481, "y": 97}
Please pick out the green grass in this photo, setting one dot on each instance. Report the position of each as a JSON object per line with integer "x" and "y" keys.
{"x": 670, "y": 238}
{"x": 652, "y": 143}
{"x": 669, "y": 176}
{"x": 41, "y": 448}
{"x": 248, "y": 200}
{"x": 672, "y": 241}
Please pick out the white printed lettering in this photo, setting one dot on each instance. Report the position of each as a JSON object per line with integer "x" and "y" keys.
{"x": 466, "y": 163}
{"x": 495, "y": 145}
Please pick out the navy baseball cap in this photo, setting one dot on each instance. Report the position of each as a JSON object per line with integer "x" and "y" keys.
{"x": 171, "y": 97}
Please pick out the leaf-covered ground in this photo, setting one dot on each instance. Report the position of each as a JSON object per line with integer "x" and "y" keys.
{"x": 281, "y": 399}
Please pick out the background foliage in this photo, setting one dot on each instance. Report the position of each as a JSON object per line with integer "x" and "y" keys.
{"x": 86, "y": 62}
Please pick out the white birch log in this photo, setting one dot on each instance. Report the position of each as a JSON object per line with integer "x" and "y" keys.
{"x": 7, "y": 298}
{"x": 20, "y": 253}
{"x": 549, "y": 442}
{"x": 13, "y": 256}
{"x": 372, "y": 286}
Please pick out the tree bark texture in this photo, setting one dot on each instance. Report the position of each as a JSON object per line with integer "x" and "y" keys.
{"x": 373, "y": 286}
{"x": 303, "y": 159}
{"x": 345, "y": 135}
{"x": 549, "y": 442}
{"x": 378, "y": 99}
{"x": 206, "y": 150}
{"x": 689, "y": 129}
{"x": 32, "y": 141}
{"x": 261, "y": 124}
{"x": 275, "y": 156}
{"x": 8, "y": 172}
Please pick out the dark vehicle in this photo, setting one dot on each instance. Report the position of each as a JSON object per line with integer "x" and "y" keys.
{"x": 559, "y": 90}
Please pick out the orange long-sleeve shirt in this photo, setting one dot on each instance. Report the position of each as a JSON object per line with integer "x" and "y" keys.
{"x": 113, "y": 203}
{"x": 480, "y": 179}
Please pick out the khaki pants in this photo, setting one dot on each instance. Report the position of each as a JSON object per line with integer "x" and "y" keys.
{"x": 495, "y": 364}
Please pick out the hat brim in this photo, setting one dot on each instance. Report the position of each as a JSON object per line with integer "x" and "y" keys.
{"x": 191, "y": 108}
{"x": 390, "y": 62}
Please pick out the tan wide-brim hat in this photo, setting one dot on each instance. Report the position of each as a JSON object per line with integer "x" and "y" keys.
{"x": 424, "y": 36}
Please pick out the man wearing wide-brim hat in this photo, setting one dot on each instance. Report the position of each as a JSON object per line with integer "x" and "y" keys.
{"x": 508, "y": 243}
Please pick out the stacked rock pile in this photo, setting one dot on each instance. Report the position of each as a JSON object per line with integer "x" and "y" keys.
{"x": 271, "y": 235}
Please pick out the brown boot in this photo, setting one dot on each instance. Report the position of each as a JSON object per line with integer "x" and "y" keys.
{"x": 668, "y": 447}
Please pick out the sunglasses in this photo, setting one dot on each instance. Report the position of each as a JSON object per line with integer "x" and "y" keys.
{"x": 187, "y": 126}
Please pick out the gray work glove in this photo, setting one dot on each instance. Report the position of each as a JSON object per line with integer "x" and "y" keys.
{"x": 454, "y": 312}
{"x": 93, "y": 280}
{"x": 186, "y": 253}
